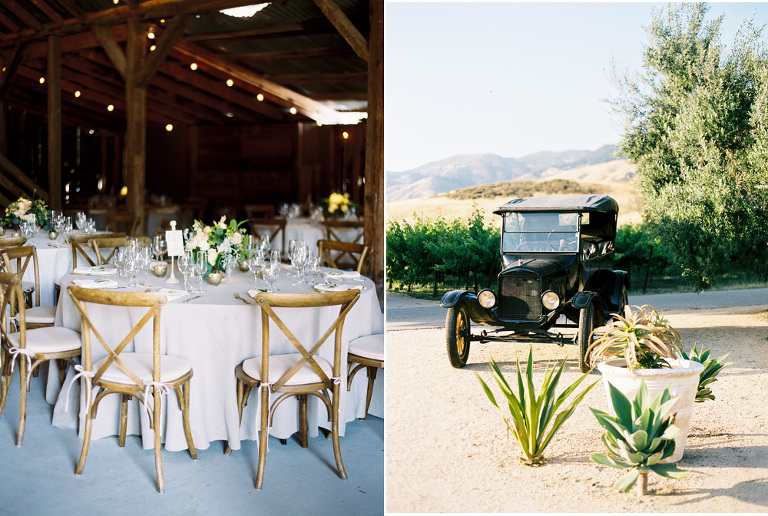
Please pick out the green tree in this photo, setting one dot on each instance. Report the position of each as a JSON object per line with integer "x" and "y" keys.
{"x": 696, "y": 123}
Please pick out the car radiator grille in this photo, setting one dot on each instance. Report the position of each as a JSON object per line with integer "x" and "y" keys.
{"x": 520, "y": 297}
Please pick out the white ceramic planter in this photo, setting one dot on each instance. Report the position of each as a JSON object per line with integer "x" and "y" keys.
{"x": 682, "y": 376}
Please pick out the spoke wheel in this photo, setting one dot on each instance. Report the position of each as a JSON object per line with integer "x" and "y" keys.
{"x": 457, "y": 332}
{"x": 586, "y": 325}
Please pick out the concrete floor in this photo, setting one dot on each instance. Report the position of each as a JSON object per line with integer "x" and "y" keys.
{"x": 39, "y": 478}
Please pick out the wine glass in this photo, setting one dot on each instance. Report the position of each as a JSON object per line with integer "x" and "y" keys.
{"x": 256, "y": 265}
{"x": 160, "y": 246}
{"x": 132, "y": 268}
{"x": 121, "y": 255}
{"x": 270, "y": 276}
{"x": 299, "y": 258}
{"x": 183, "y": 263}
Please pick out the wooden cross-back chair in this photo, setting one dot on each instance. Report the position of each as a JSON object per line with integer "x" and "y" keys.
{"x": 12, "y": 241}
{"x": 368, "y": 353}
{"x": 16, "y": 260}
{"x": 344, "y": 230}
{"x": 130, "y": 374}
{"x": 105, "y": 247}
{"x": 335, "y": 253}
{"x": 27, "y": 348}
{"x": 259, "y": 211}
{"x": 80, "y": 243}
{"x": 122, "y": 222}
{"x": 298, "y": 374}
{"x": 270, "y": 227}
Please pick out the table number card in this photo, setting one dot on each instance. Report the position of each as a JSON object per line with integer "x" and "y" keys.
{"x": 174, "y": 240}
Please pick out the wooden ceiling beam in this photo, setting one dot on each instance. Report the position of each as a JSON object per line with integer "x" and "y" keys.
{"x": 111, "y": 48}
{"x": 22, "y": 14}
{"x": 168, "y": 38}
{"x": 74, "y": 42}
{"x": 197, "y": 80}
{"x": 9, "y": 23}
{"x": 321, "y": 79}
{"x": 49, "y": 11}
{"x": 274, "y": 31}
{"x": 11, "y": 67}
{"x": 346, "y": 28}
{"x": 309, "y": 53}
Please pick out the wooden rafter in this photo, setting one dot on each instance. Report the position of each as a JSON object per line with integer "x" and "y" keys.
{"x": 293, "y": 54}
{"x": 167, "y": 39}
{"x": 48, "y": 11}
{"x": 22, "y": 14}
{"x": 303, "y": 104}
{"x": 11, "y": 67}
{"x": 111, "y": 48}
{"x": 274, "y": 31}
{"x": 345, "y": 27}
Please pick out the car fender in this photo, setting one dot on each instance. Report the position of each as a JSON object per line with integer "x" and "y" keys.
{"x": 583, "y": 299}
{"x": 475, "y": 311}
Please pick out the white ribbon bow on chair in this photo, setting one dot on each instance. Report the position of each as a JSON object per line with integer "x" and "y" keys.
{"x": 87, "y": 375}
{"x": 162, "y": 388}
{"x": 29, "y": 355}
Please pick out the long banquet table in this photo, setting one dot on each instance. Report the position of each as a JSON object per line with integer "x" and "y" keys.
{"x": 216, "y": 332}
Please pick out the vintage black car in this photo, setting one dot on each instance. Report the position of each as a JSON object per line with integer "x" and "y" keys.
{"x": 556, "y": 272}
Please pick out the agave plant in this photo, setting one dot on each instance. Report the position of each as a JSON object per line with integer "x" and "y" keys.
{"x": 641, "y": 336}
{"x": 531, "y": 414}
{"x": 638, "y": 437}
{"x": 712, "y": 367}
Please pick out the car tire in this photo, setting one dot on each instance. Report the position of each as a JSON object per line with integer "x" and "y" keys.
{"x": 586, "y": 325}
{"x": 457, "y": 332}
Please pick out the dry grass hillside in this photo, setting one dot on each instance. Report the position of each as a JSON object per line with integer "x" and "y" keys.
{"x": 607, "y": 178}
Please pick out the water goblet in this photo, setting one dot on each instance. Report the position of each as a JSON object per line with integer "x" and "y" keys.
{"x": 270, "y": 276}
{"x": 121, "y": 256}
{"x": 256, "y": 265}
{"x": 183, "y": 264}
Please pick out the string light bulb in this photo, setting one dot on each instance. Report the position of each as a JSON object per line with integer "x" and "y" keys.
{"x": 42, "y": 80}
{"x": 110, "y": 107}
{"x": 193, "y": 66}
{"x": 345, "y": 135}
{"x": 260, "y": 97}
{"x": 293, "y": 110}
{"x": 169, "y": 127}
{"x": 230, "y": 82}
{"x": 152, "y": 48}
{"x": 77, "y": 94}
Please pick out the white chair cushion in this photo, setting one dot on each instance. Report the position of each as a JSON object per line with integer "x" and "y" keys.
{"x": 279, "y": 364}
{"x": 370, "y": 346}
{"x": 52, "y": 339}
{"x": 40, "y": 315}
{"x": 171, "y": 368}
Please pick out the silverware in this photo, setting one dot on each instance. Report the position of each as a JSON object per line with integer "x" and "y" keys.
{"x": 237, "y": 296}
{"x": 191, "y": 298}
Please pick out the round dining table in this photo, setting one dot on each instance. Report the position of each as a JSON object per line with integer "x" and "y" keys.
{"x": 215, "y": 331}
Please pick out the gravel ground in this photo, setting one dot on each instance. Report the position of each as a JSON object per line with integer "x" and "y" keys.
{"x": 447, "y": 449}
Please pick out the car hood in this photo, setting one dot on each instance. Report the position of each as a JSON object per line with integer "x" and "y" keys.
{"x": 539, "y": 265}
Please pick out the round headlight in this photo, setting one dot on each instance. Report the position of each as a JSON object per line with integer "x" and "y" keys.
{"x": 486, "y": 298}
{"x": 550, "y": 299}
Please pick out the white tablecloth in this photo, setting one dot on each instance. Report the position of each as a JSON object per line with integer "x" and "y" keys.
{"x": 217, "y": 332}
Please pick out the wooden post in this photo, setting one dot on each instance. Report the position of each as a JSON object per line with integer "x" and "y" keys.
{"x": 136, "y": 118}
{"x": 373, "y": 201}
{"x": 54, "y": 121}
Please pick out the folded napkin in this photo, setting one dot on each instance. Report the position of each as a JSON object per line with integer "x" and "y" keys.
{"x": 101, "y": 270}
{"x": 333, "y": 287}
{"x": 97, "y": 283}
{"x": 342, "y": 275}
{"x": 172, "y": 294}
{"x": 256, "y": 291}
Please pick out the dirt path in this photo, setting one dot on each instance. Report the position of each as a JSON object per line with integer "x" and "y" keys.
{"x": 447, "y": 449}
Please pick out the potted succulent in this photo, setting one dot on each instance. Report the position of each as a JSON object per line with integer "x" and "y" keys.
{"x": 642, "y": 346}
{"x": 639, "y": 437}
{"x": 531, "y": 415}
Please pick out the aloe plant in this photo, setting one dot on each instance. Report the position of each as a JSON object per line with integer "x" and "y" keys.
{"x": 641, "y": 336}
{"x": 638, "y": 437}
{"x": 712, "y": 367}
{"x": 531, "y": 415}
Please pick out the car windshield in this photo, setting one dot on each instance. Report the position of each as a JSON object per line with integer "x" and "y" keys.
{"x": 540, "y": 233}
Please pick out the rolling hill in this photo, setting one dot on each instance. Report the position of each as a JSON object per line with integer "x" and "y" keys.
{"x": 476, "y": 169}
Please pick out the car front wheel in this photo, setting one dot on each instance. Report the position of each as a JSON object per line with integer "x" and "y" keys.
{"x": 457, "y": 326}
{"x": 586, "y": 325}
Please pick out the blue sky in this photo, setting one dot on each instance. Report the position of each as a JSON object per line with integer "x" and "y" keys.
{"x": 511, "y": 78}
